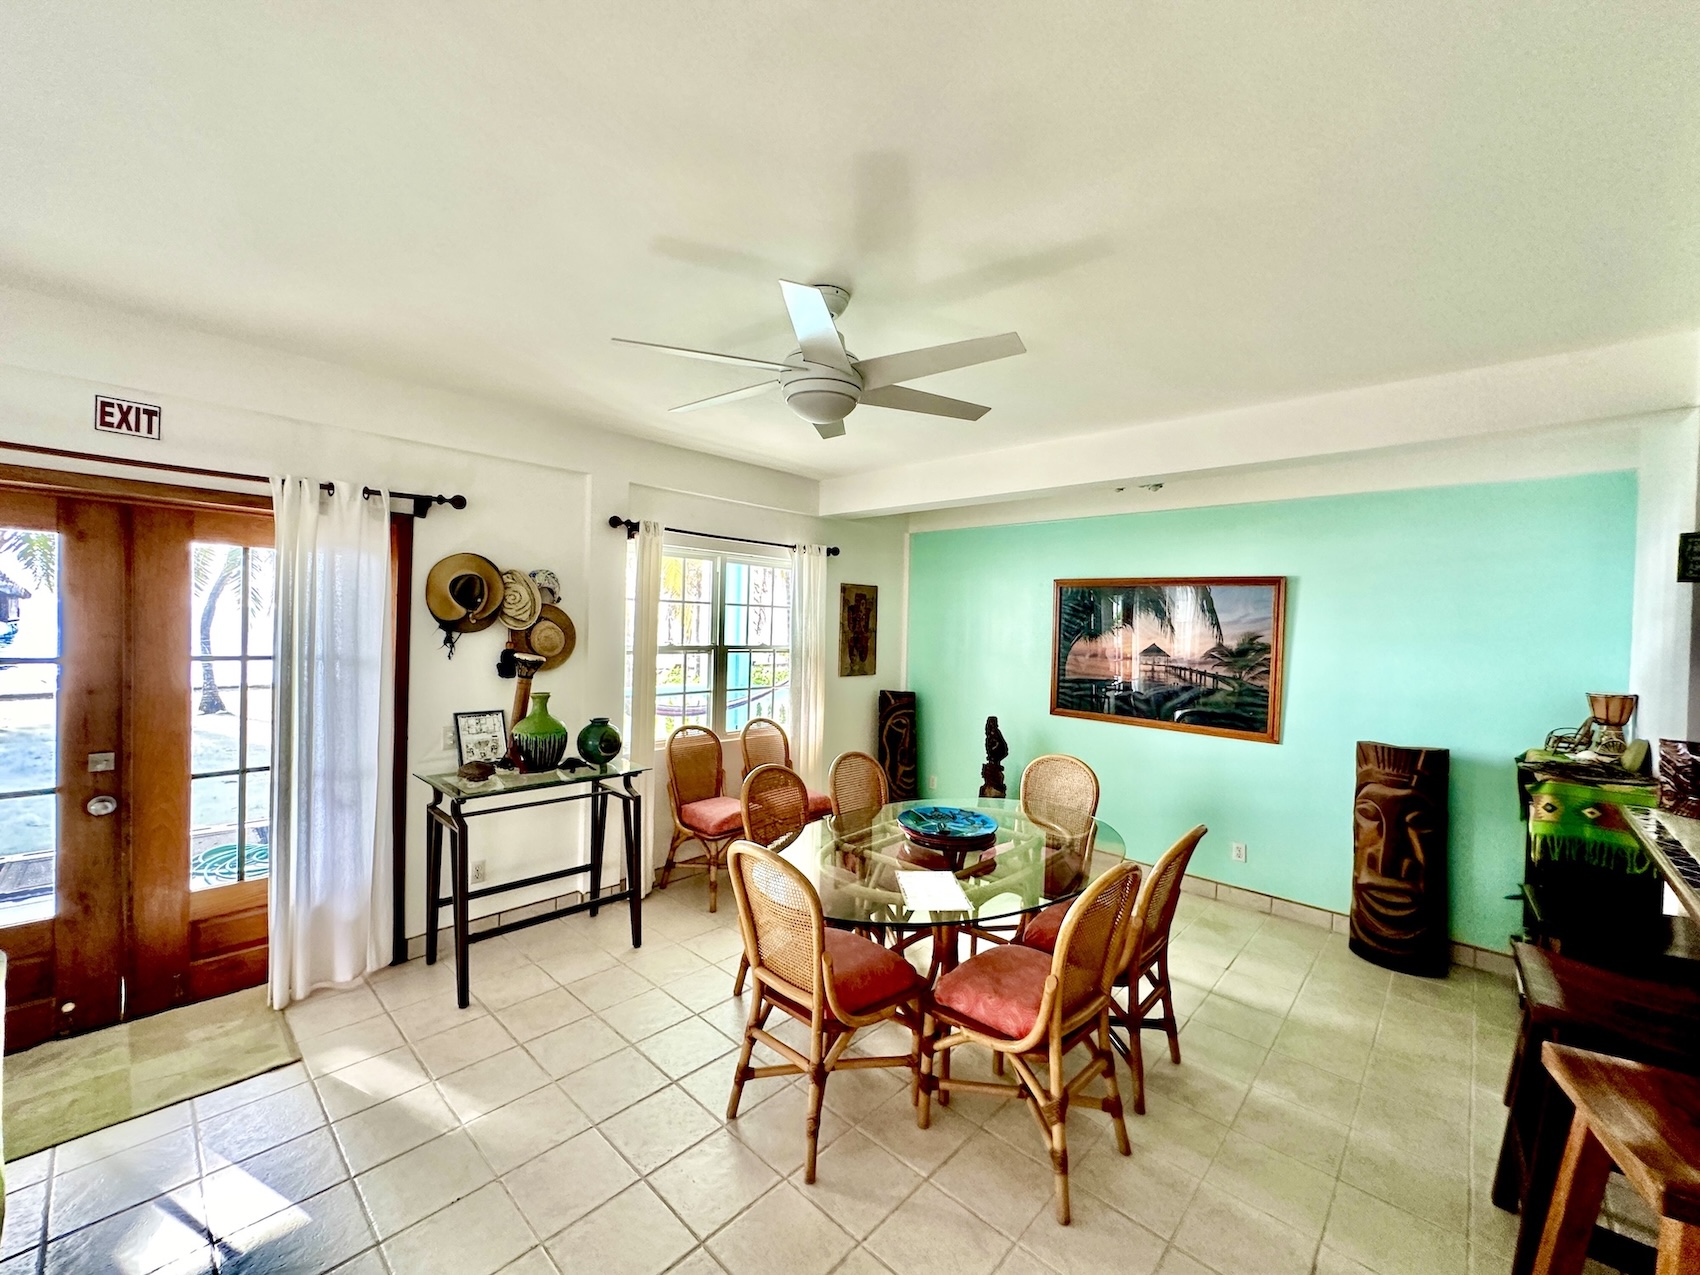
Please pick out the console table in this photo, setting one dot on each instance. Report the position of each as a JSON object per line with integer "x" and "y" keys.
{"x": 467, "y": 800}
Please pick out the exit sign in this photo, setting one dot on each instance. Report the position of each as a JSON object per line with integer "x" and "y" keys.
{"x": 120, "y": 416}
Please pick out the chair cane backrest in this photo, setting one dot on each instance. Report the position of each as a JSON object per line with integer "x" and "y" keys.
{"x": 776, "y": 806}
{"x": 779, "y": 914}
{"x": 1155, "y": 911}
{"x": 1060, "y": 794}
{"x": 1094, "y": 938}
{"x": 857, "y": 784}
{"x": 694, "y": 769}
{"x": 764, "y": 743}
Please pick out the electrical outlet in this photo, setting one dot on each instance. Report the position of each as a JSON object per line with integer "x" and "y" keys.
{"x": 1239, "y": 852}
{"x": 477, "y": 871}
{"x": 448, "y": 737}
{"x": 932, "y": 783}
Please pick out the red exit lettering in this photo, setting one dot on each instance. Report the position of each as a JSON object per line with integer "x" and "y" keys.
{"x": 120, "y": 416}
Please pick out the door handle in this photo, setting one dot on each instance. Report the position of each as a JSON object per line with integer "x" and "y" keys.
{"x": 101, "y": 806}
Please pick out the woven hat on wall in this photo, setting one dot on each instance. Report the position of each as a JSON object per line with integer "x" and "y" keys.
{"x": 521, "y": 600}
{"x": 553, "y": 637}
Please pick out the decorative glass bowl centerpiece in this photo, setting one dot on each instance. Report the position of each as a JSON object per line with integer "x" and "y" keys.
{"x": 947, "y": 835}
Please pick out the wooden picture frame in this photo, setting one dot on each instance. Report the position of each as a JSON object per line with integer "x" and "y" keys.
{"x": 481, "y": 735}
{"x": 858, "y": 629}
{"x": 1203, "y": 654}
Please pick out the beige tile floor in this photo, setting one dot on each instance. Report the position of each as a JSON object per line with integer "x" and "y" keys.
{"x": 1328, "y": 1117}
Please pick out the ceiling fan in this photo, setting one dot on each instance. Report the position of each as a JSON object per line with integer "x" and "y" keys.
{"x": 823, "y": 384}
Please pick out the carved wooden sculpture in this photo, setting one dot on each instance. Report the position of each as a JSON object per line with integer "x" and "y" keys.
{"x": 1399, "y": 826}
{"x": 898, "y": 751}
{"x": 991, "y": 774}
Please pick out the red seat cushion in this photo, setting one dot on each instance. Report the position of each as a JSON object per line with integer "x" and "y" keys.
{"x": 820, "y": 805}
{"x": 1042, "y": 930}
{"x": 1000, "y": 988}
{"x": 864, "y": 973}
{"x": 713, "y": 816}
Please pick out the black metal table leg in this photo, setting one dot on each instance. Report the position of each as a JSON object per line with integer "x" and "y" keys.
{"x": 631, "y": 816}
{"x": 462, "y": 909}
{"x": 598, "y": 829}
{"x": 433, "y": 874}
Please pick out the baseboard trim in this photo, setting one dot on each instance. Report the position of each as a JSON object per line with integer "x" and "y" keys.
{"x": 1465, "y": 955}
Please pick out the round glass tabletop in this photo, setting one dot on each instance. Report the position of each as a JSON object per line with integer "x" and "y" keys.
{"x": 857, "y": 862}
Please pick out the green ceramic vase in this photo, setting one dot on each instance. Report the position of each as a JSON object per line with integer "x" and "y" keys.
{"x": 540, "y": 740}
{"x": 599, "y": 743}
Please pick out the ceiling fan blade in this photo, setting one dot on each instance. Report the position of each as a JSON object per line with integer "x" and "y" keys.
{"x": 832, "y": 429}
{"x": 905, "y": 399}
{"x": 731, "y": 396}
{"x": 812, "y": 322}
{"x": 736, "y": 359}
{"x": 889, "y": 369}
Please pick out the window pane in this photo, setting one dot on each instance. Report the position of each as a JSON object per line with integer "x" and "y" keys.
{"x": 212, "y": 832}
{"x": 699, "y": 672}
{"x": 737, "y": 626}
{"x": 27, "y": 840}
{"x": 215, "y": 599}
{"x": 761, "y": 584}
{"x": 259, "y": 713}
{"x": 672, "y": 578}
{"x": 781, "y": 627}
{"x": 699, "y": 579}
{"x": 29, "y": 727}
{"x": 669, "y": 674}
{"x": 737, "y": 582}
{"x": 262, "y": 565}
{"x": 699, "y": 624}
{"x": 215, "y": 688}
{"x": 761, "y": 628}
{"x": 782, "y": 587}
{"x": 29, "y": 593}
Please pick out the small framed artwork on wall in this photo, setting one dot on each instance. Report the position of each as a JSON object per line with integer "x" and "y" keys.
{"x": 858, "y": 629}
{"x": 482, "y": 736}
{"x": 1200, "y": 654}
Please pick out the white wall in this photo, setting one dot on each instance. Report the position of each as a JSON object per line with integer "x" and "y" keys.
{"x": 1662, "y": 654}
{"x": 540, "y": 490}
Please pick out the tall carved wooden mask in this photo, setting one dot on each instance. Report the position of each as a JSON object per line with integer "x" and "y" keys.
{"x": 1399, "y": 885}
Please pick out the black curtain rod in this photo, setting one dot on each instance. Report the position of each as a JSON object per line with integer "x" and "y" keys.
{"x": 421, "y": 503}
{"x": 631, "y": 527}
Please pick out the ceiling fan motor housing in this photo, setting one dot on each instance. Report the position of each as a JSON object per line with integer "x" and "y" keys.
{"x": 820, "y": 394}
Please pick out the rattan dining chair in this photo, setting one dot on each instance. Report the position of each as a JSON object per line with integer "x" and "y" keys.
{"x": 1026, "y": 1005}
{"x": 1148, "y": 959}
{"x": 695, "y": 775}
{"x": 1059, "y": 794}
{"x": 774, "y": 804}
{"x": 763, "y": 742}
{"x": 831, "y": 981}
{"x": 858, "y": 789}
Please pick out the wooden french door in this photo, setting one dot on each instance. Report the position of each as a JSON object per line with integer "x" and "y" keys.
{"x": 135, "y": 728}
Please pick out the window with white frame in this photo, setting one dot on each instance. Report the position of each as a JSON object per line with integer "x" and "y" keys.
{"x": 723, "y": 646}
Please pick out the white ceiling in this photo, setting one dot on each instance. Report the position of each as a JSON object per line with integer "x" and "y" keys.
{"x": 1181, "y": 207}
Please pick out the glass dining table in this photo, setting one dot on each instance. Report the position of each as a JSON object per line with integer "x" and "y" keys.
{"x": 1013, "y": 864}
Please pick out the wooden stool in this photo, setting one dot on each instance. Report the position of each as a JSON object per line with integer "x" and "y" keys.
{"x": 1646, "y": 1122}
{"x": 1575, "y": 1003}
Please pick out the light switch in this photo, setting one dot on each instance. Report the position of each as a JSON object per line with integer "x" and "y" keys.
{"x": 102, "y": 761}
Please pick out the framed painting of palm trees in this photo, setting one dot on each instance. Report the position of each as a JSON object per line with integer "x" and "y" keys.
{"x": 1196, "y": 654}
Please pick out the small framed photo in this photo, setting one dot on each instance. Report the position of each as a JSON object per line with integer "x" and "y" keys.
{"x": 482, "y": 736}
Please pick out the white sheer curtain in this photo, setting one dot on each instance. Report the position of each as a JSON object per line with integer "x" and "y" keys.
{"x": 640, "y": 730}
{"x": 809, "y": 641}
{"x": 331, "y": 738}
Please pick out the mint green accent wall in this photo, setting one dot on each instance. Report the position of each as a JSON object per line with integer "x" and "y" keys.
{"x": 1469, "y": 618}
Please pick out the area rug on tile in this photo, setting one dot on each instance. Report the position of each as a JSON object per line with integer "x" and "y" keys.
{"x": 66, "y": 1088}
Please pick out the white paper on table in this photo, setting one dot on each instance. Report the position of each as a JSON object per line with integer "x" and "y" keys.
{"x": 932, "y": 892}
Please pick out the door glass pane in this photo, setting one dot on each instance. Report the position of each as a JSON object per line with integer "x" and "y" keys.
{"x": 27, "y": 840}
{"x": 215, "y": 694}
{"x": 259, "y": 713}
{"x": 230, "y": 713}
{"x": 29, "y": 722}
{"x": 261, "y": 587}
{"x": 216, "y": 599}
{"x": 213, "y": 852}
{"x": 29, "y": 727}
{"x": 257, "y": 837}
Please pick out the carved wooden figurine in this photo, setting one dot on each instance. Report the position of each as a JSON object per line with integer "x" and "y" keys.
{"x": 991, "y": 774}
{"x": 1399, "y": 826}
